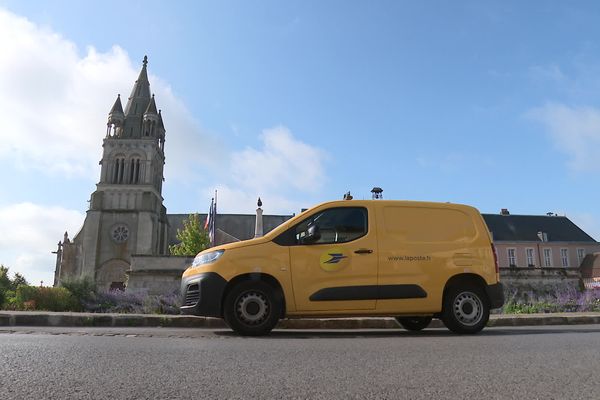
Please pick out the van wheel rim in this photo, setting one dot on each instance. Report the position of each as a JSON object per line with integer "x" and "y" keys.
{"x": 252, "y": 308}
{"x": 468, "y": 308}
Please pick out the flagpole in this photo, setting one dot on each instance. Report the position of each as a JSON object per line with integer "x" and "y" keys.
{"x": 214, "y": 227}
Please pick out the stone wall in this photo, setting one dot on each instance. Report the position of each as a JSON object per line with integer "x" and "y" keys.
{"x": 162, "y": 275}
{"x": 156, "y": 274}
{"x": 539, "y": 280}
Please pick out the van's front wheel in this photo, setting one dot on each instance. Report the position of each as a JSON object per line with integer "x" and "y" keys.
{"x": 414, "y": 323}
{"x": 466, "y": 309}
{"x": 251, "y": 308}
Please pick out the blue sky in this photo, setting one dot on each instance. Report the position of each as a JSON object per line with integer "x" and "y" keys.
{"x": 493, "y": 104}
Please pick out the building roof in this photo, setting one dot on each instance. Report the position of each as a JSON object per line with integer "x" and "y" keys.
{"x": 240, "y": 226}
{"x": 510, "y": 228}
{"x": 525, "y": 228}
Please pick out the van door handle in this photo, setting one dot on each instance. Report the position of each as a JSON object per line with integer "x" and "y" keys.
{"x": 363, "y": 251}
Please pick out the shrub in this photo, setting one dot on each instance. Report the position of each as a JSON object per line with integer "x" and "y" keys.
{"x": 82, "y": 289}
{"x": 81, "y": 295}
{"x": 563, "y": 299}
{"x": 45, "y": 298}
{"x": 140, "y": 303}
{"x": 117, "y": 301}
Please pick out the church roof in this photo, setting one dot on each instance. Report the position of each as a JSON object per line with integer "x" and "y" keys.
{"x": 140, "y": 91}
{"x": 151, "y": 109}
{"x": 137, "y": 103}
{"x": 117, "y": 108}
{"x": 160, "y": 120}
{"x": 240, "y": 226}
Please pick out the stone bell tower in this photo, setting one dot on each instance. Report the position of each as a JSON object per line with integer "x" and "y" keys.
{"x": 126, "y": 214}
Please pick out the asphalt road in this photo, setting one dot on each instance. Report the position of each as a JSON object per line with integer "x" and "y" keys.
{"x": 142, "y": 363}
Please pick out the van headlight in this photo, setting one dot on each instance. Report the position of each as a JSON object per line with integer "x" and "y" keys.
{"x": 207, "y": 258}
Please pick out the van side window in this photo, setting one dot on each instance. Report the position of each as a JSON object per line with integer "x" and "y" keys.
{"x": 335, "y": 225}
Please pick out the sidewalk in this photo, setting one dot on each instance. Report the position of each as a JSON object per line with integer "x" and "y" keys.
{"x": 37, "y": 318}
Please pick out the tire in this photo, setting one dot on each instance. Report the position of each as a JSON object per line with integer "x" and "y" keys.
{"x": 414, "y": 323}
{"x": 466, "y": 309}
{"x": 251, "y": 308}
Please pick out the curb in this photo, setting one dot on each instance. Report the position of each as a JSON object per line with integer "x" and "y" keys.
{"x": 31, "y": 318}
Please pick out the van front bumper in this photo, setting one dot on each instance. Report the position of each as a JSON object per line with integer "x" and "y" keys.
{"x": 495, "y": 293}
{"x": 202, "y": 294}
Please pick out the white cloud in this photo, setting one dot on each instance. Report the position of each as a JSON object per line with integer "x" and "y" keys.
{"x": 58, "y": 100}
{"x": 545, "y": 73}
{"x": 55, "y": 104}
{"x": 29, "y": 233}
{"x": 55, "y": 100}
{"x": 285, "y": 173}
{"x": 283, "y": 162}
{"x": 574, "y": 130}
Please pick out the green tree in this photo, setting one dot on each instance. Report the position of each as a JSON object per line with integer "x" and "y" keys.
{"x": 18, "y": 280}
{"x": 193, "y": 238}
{"x": 5, "y": 284}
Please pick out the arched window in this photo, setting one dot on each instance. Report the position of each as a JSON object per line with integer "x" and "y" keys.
{"x": 119, "y": 170}
{"x": 131, "y": 170}
{"x": 134, "y": 169}
{"x": 137, "y": 171}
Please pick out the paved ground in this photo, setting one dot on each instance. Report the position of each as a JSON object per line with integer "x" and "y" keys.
{"x": 549, "y": 362}
{"x": 45, "y": 318}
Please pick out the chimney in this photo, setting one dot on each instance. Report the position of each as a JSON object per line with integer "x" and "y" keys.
{"x": 504, "y": 211}
{"x": 377, "y": 193}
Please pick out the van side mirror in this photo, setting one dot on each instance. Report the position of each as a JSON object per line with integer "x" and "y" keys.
{"x": 312, "y": 234}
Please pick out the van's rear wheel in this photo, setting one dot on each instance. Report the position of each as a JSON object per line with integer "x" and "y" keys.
{"x": 414, "y": 323}
{"x": 251, "y": 308}
{"x": 466, "y": 309}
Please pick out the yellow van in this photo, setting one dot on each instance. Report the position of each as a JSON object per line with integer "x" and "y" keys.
{"x": 411, "y": 260}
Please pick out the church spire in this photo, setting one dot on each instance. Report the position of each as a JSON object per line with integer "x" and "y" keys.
{"x": 151, "y": 119}
{"x": 117, "y": 108}
{"x": 151, "y": 109}
{"x": 141, "y": 89}
{"x": 136, "y": 104}
{"x": 160, "y": 121}
{"x": 161, "y": 132}
{"x": 116, "y": 118}
{"x": 140, "y": 94}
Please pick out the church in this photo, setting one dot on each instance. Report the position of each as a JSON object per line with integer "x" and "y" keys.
{"x": 125, "y": 238}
